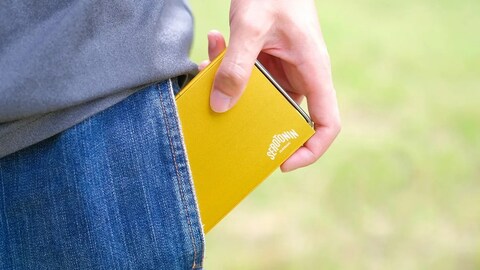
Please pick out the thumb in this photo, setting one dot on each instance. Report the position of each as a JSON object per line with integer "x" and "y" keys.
{"x": 233, "y": 74}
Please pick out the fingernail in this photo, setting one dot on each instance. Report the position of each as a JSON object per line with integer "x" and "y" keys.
{"x": 219, "y": 101}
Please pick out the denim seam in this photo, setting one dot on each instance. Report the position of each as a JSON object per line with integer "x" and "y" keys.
{"x": 177, "y": 171}
{"x": 189, "y": 179}
{"x": 186, "y": 175}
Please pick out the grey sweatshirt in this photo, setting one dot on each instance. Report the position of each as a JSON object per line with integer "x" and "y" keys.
{"x": 61, "y": 61}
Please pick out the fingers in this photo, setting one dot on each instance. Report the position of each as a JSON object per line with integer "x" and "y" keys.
{"x": 216, "y": 44}
{"x": 323, "y": 109}
{"x": 203, "y": 65}
{"x": 317, "y": 145}
{"x": 313, "y": 149}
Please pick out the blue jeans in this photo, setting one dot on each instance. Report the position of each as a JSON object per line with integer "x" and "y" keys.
{"x": 113, "y": 192}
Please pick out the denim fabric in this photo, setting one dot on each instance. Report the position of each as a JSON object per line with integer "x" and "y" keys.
{"x": 113, "y": 192}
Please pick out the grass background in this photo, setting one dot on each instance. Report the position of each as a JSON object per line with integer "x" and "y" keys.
{"x": 400, "y": 187}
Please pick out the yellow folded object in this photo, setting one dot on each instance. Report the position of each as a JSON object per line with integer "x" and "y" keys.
{"x": 231, "y": 153}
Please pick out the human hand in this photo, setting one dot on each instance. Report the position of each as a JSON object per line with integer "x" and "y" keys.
{"x": 286, "y": 38}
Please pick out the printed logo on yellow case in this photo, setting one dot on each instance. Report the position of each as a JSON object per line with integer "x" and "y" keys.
{"x": 280, "y": 142}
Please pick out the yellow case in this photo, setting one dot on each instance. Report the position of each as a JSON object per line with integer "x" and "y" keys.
{"x": 231, "y": 153}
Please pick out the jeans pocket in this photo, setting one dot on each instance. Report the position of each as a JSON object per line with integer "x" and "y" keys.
{"x": 113, "y": 192}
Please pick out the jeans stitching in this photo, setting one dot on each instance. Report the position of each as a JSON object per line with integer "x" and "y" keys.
{"x": 183, "y": 199}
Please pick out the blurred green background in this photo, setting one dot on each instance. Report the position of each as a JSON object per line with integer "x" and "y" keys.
{"x": 400, "y": 187}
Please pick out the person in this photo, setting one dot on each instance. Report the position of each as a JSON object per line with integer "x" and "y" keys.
{"x": 93, "y": 170}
